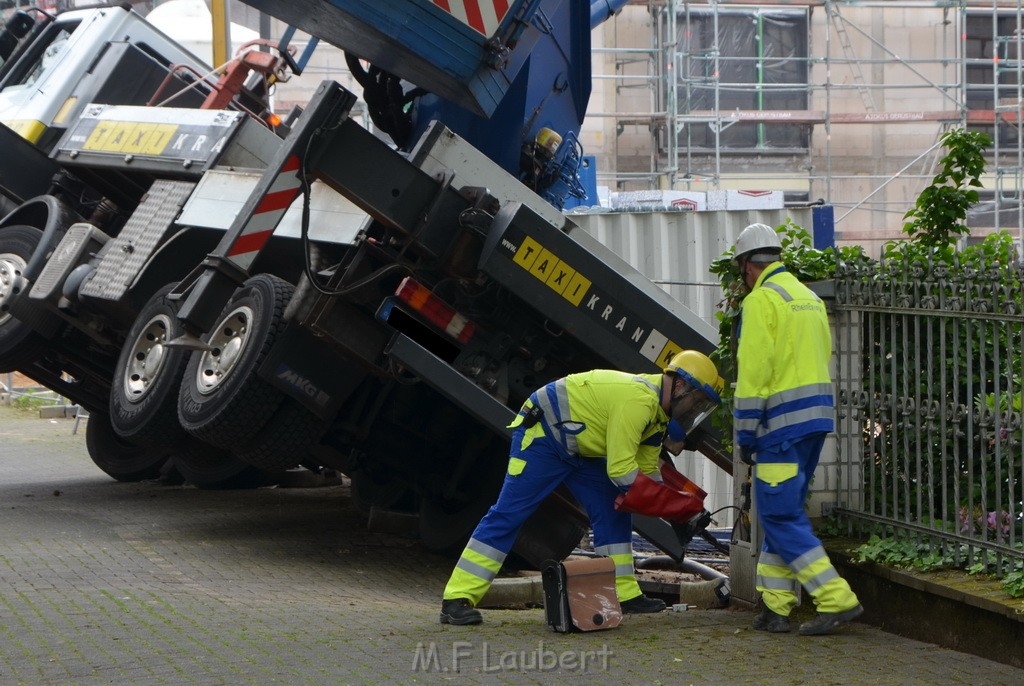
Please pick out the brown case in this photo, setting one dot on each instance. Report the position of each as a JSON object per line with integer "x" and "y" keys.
{"x": 579, "y": 595}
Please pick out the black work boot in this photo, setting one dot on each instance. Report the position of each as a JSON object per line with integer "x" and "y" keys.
{"x": 772, "y": 622}
{"x": 642, "y": 605}
{"x": 825, "y": 622}
{"x": 460, "y": 612}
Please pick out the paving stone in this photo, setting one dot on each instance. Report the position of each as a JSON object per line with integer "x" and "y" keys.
{"x": 149, "y": 584}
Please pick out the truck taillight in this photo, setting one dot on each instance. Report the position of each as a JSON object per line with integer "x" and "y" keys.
{"x": 434, "y": 310}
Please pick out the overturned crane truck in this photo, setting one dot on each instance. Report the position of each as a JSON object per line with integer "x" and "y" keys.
{"x": 202, "y": 326}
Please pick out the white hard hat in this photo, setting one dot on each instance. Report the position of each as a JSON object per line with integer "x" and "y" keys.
{"x": 756, "y": 237}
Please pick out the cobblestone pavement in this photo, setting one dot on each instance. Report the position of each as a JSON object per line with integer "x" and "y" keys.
{"x": 108, "y": 583}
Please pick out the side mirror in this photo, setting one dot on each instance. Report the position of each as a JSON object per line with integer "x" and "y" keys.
{"x": 16, "y": 28}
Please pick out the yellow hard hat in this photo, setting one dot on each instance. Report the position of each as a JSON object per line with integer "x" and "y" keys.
{"x": 697, "y": 369}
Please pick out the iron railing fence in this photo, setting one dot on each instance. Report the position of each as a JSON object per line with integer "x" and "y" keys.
{"x": 929, "y": 405}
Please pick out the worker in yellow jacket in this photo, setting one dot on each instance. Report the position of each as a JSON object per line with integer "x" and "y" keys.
{"x": 783, "y": 409}
{"x": 595, "y": 432}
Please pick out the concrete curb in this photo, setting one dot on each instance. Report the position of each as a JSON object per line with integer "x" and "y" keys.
{"x": 514, "y": 592}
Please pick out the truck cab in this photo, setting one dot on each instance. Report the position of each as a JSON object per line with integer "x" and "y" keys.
{"x": 107, "y": 55}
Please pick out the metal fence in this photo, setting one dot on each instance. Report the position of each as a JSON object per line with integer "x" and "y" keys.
{"x": 929, "y": 404}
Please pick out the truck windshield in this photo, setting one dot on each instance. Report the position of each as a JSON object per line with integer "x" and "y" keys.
{"x": 41, "y": 56}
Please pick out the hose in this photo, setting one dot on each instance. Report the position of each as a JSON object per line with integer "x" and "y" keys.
{"x": 687, "y": 565}
{"x": 684, "y": 565}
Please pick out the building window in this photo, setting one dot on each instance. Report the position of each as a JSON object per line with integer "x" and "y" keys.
{"x": 762, "y": 67}
{"x": 992, "y": 83}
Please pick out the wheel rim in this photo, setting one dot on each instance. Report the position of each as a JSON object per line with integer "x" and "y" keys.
{"x": 227, "y": 344}
{"x": 11, "y": 267}
{"x": 147, "y": 358}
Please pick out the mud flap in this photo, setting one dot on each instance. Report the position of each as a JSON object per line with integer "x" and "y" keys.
{"x": 579, "y": 595}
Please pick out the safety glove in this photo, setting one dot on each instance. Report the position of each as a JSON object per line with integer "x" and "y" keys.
{"x": 647, "y": 496}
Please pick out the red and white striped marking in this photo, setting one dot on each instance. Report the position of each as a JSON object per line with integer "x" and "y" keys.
{"x": 482, "y": 15}
{"x": 267, "y": 214}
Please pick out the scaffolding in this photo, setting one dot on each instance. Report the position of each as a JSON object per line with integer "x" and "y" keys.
{"x": 867, "y": 88}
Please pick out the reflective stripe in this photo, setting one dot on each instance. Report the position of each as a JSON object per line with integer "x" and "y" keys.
{"x": 779, "y": 289}
{"x": 476, "y": 570}
{"x": 773, "y": 574}
{"x": 645, "y": 382}
{"x": 800, "y": 394}
{"x": 463, "y": 584}
{"x": 771, "y": 559}
{"x": 614, "y": 549}
{"x": 814, "y": 569}
{"x": 626, "y": 479}
{"x": 793, "y": 407}
{"x": 821, "y": 579}
{"x": 774, "y": 583}
{"x": 808, "y": 558}
{"x": 487, "y": 551}
{"x": 782, "y": 291}
{"x": 553, "y": 400}
{"x": 623, "y": 564}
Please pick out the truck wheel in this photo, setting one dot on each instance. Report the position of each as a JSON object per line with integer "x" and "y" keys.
{"x": 286, "y": 439}
{"x": 147, "y": 378}
{"x": 19, "y": 344}
{"x": 222, "y": 401}
{"x": 214, "y": 469}
{"x": 119, "y": 458}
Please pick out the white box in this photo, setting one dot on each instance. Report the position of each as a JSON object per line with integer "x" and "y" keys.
{"x": 746, "y": 200}
{"x": 659, "y": 201}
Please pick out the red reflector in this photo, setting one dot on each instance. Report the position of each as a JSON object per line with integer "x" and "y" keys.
{"x": 434, "y": 310}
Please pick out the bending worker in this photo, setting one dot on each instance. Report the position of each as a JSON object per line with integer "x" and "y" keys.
{"x": 783, "y": 410}
{"x": 594, "y": 431}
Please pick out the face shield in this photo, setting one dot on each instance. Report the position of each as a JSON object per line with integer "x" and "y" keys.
{"x": 691, "y": 407}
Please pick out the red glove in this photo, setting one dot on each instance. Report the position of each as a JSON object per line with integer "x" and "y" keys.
{"x": 673, "y": 478}
{"x": 647, "y": 496}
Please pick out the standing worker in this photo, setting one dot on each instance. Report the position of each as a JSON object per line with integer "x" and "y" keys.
{"x": 594, "y": 431}
{"x": 783, "y": 410}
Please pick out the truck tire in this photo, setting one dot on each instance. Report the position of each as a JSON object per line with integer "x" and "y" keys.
{"x": 19, "y": 344}
{"x": 147, "y": 378}
{"x": 222, "y": 401}
{"x": 118, "y": 458}
{"x": 285, "y": 441}
{"x": 215, "y": 469}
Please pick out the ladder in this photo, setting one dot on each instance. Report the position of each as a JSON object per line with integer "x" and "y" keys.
{"x": 844, "y": 40}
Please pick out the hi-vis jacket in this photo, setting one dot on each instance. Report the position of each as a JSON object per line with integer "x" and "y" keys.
{"x": 602, "y": 413}
{"x": 783, "y": 388}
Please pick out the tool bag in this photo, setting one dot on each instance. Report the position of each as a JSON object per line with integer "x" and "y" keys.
{"x": 579, "y": 595}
